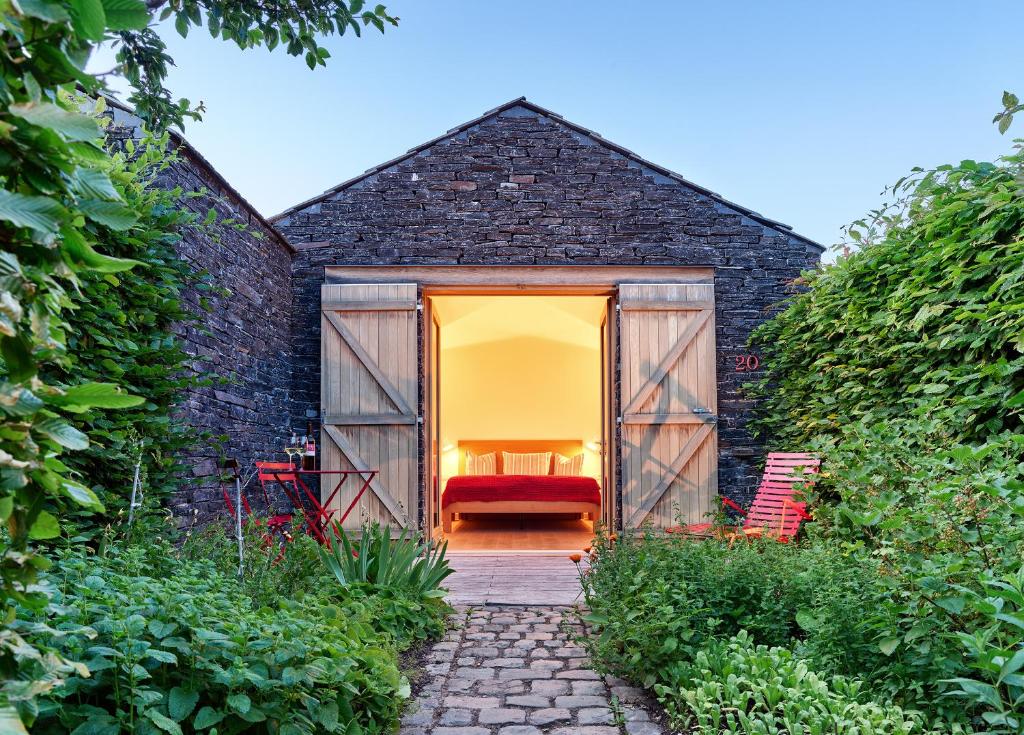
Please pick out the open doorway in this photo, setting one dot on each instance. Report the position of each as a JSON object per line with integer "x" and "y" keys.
{"x": 517, "y": 420}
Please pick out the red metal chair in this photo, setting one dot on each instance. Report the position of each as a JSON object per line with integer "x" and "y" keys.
{"x": 284, "y": 474}
{"x": 278, "y": 523}
{"x": 777, "y": 510}
{"x": 272, "y": 472}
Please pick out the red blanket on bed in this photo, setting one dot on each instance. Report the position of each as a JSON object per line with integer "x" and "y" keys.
{"x": 521, "y": 487}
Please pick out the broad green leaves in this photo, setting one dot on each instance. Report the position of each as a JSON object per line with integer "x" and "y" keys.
{"x": 45, "y": 526}
{"x": 181, "y": 702}
{"x": 125, "y": 15}
{"x": 62, "y": 433}
{"x": 73, "y": 126}
{"x": 162, "y": 651}
{"x": 82, "y": 496}
{"x": 1011, "y": 106}
{"x": 207, "y": 717}
{"x": 82, "y": 397}
{"x": 114, "y": 215}
{"x": 51, "y": 11}
{"x": 39, "y": 213}
{"x": 89, "y": 18}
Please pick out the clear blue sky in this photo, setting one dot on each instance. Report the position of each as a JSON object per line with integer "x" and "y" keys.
{"x": 802, "y": 111}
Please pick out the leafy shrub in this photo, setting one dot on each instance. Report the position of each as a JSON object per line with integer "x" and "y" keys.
{"x": 126, "y": 331}
{"x": 658, "y": 600}
{"x": 673, "y": 614}
{"x": 185, "y": 651}
{"x": 946, "y": 529}
{"x": 58, "y": 207}
{"x": 994, "y": 653}
{"x": 271, "y": 571}
{"x": 904, "y": 365}
{"x": 735, "y": 686}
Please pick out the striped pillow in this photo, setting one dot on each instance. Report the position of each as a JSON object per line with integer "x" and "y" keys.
{"x": 568, "y": 465}
{"x": 481, "y": 464}
{"x": 534, "y": 463}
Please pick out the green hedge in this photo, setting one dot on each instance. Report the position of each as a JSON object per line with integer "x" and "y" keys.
{"x": 925, "y": 321}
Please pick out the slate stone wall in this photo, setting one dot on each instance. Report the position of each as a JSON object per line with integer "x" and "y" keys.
{"x": 522, "y": 188}
{"x": 242, "y": 343}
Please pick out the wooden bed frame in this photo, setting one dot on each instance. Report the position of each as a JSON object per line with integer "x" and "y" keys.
{"x": 567, "y": 447}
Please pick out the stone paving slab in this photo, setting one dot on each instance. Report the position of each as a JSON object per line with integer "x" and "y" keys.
{"x": 504, "y": 670}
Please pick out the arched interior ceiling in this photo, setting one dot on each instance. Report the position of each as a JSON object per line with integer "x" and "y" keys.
{"x": 469, "y": 320}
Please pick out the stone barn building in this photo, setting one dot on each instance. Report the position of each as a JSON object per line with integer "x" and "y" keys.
{"x": 517, "y": 287}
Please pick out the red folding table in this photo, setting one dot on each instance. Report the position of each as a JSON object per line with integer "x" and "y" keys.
{"x": 290, "y": 480}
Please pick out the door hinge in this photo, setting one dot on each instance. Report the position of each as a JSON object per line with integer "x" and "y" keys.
{"x": 419, "y": 419}
{"x": 419, "y": 304}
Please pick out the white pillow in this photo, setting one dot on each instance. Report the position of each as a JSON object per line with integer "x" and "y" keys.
{"x": 532, "y": 463}
{"x": 481, "y": 464}
{"x": 568, "y": 465}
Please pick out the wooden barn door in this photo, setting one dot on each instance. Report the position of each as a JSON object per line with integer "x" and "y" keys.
{"x": 669, "y": 449}
{"x": 369, "y": 390}
{"x": 608, "y": 415}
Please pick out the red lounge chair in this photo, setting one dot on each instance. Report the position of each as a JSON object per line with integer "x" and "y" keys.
{"x": 777, "y": 510}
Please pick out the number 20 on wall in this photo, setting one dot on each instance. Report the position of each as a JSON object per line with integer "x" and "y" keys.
{"x": 747, "y": 363}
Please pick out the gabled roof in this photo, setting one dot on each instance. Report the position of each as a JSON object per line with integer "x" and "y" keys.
{"x": 522, "y": 102}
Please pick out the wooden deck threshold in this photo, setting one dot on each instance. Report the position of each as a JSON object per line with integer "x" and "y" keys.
{"x": 543, "y": 578}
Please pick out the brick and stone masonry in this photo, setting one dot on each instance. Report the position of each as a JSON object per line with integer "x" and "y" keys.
{"x": 523, "y": 186}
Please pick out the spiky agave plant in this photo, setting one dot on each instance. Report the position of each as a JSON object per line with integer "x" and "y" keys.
{"x": 377, "y": 559}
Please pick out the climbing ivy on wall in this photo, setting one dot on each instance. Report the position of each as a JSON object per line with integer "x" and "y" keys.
{"x": 126, "y": 331}
{"x": 924, "y": 321}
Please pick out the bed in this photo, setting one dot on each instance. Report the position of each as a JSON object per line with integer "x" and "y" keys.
{"x": 503, "y": 493}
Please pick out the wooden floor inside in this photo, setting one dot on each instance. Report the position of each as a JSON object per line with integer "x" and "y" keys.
{"x": 519, "y": 533}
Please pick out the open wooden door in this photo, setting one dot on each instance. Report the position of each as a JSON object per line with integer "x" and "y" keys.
{"x": 608, "y": 414}
{"x": 432, "y": 413}
{"x": 669, "y": 450}
{"x": 369, "y": 390}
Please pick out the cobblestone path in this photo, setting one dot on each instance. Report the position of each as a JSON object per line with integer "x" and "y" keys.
{"x": 517, "y": 671}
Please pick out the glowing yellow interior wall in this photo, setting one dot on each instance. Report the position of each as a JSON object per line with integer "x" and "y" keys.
{"x": 523, "y": 387}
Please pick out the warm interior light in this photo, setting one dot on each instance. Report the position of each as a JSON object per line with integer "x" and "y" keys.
{"x": 594, "y": 446}
{"x": 448, "y": 447}
{"x": 520, "y": 367}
